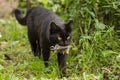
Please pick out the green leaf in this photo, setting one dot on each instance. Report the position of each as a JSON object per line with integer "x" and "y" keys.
{"x": 0, "y": 35}
{"x": 107, "y": 53}
{"x": 91, "y": 13}
{"x": 1, "y": 67}
{"x": 99, "y": 25}
{"x": 45, "y": 2}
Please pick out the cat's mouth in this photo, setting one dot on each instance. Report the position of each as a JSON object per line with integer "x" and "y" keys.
{"x": 61, "y": 49}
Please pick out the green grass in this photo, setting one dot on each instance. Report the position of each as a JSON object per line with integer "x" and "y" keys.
{"x": 97, "y": 56}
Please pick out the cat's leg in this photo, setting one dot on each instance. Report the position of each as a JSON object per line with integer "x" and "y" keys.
{"x": 33, "y": 44}
{"x": 34, "y": 48}
{"x": 39, "y": 50}
{"x": 62, "y": 62}
{"x": 46, "y": 55}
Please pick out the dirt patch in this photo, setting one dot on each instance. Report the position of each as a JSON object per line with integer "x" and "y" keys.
{"x": 7, "y": 6}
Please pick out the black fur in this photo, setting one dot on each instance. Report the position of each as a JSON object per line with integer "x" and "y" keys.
{"x": 44, "y": 27}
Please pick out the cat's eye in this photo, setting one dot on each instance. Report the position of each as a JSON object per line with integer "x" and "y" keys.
{"x": 68, "y": 37}
{"x": 59, "y": 38}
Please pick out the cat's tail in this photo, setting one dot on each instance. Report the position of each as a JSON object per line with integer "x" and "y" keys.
{"x": 19, "y": 17}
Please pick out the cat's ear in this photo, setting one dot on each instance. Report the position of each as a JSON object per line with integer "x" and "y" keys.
{"x": 70, "y": 23}
{"x": 68, "y": 26}
{"x": 53, "y": 27}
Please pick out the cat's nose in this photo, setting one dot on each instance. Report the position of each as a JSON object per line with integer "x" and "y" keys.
{"x": 66, "y": 43}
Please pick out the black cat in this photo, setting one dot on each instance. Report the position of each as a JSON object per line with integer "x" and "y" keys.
{"x": 46, "y": 29}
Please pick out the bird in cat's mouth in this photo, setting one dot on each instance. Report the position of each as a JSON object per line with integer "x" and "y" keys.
{"x": 58, "y": 48}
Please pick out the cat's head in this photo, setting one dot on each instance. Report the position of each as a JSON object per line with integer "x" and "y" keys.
{"x": 60, "y": 34}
